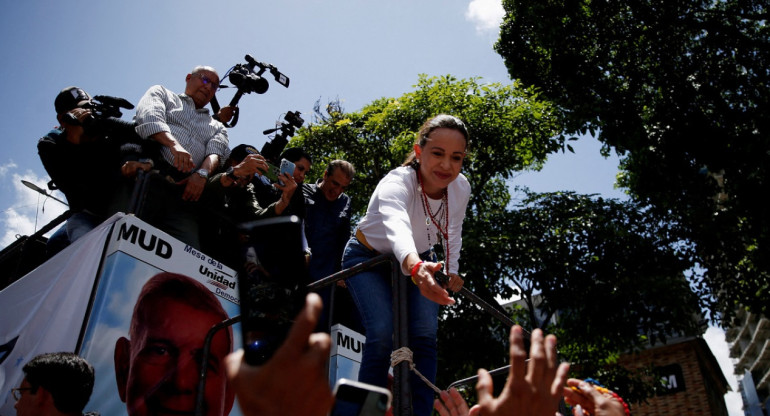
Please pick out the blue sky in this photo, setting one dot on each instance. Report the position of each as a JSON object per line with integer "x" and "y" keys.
{"x": 354, "y": 50}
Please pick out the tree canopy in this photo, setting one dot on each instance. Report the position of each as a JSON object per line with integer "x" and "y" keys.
{"x": 680, "y": 89}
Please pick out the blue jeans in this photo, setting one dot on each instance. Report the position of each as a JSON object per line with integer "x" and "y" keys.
{"x": 79, "y": 224}
{"x": 372, "y": 294}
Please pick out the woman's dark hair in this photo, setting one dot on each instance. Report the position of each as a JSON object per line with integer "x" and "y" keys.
{"x": 440, "y": 121}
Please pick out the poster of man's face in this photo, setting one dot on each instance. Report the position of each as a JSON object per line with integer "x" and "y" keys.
{"x": 146, "y": 340}
{"x": 157, "y": 370}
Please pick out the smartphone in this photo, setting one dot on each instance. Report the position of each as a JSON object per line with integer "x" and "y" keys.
{"x": 286, "y": 167}
{"x": 274, "y": 173}
{"x": 356, "y": 398}
{"x": 272, "y": 284}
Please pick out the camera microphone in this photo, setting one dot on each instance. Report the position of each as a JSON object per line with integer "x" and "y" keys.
{"x": 268, "y": 131}
{"x": 116, "y": 101}
{"x": 253, "y": 62}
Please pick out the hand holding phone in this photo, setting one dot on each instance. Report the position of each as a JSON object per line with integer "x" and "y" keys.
{"x": 271, "y": 294}
{"x": 356, "y": 398}
{"x": 298, "y": 367}
{"x": 286, "y": 168}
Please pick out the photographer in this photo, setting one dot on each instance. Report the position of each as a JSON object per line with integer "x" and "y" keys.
{"x": 88, "y": 158}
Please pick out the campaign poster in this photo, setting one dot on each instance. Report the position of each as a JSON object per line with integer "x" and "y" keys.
{"x": 154, "y": 302}
{"x": 346, "y": 353}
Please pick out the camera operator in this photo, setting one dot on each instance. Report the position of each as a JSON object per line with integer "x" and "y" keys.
{"x": 87, "y": 158}
{"x": 193, "y": 145}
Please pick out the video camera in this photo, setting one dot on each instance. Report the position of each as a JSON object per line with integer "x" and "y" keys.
{"x": 102, "y": 107}
{"x": 248, "y": 79}
{"x": 271, "y": 151}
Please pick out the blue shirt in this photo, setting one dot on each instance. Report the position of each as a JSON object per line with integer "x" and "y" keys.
{"x": 327, "y": 227}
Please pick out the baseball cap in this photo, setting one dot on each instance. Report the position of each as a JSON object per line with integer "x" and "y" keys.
{"x": 69, "y": 98}
{"x": 241, "y": 151}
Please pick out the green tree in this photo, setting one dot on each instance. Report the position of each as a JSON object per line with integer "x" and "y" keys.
{"x": 511, "y": 130}
{"x": 596, "y": 259}
{"x": 681, "y": 90}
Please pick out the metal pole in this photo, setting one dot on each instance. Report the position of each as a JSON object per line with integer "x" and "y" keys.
{"x": 402, "y": 404}
{"x": 200, "y": 396}
{"x": 344, "y": 274}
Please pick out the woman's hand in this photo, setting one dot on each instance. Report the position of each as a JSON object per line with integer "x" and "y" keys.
{"x": 422, "y": 276}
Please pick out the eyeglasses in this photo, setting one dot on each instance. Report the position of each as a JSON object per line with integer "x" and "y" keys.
{"x": 207, "y": 81}
{"x": 17, "y": 392}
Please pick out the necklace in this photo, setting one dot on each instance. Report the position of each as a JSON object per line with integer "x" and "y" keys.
{"x": 436, "y": 219}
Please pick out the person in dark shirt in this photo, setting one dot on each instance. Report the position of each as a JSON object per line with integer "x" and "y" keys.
{"x": 327, "y": 227}
{"x": 89, "y": 160}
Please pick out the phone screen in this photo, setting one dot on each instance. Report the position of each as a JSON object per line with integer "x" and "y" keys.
{"x": 286, "y": 167}
{"x": 356, "y": 398}
{"x": 272, "y": 284}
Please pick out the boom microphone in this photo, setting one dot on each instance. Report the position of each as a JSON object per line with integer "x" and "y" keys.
{"x": 116, "y": 101}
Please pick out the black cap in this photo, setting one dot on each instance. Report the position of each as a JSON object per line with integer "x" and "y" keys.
{"x": 69, "y": 98}
{"x": 241, "y": 151}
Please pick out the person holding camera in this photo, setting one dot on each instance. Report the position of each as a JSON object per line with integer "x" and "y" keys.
{"x": 230, "y": 200}
{"x": 414, "y": 208}
{"x": 193, "y": 143}
{"x": 87, "y": 158}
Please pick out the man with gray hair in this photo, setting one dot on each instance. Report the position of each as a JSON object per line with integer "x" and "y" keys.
{"x": 193, "y": 143}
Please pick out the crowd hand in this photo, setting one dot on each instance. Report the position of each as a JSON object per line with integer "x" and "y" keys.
{"x": 532, "y": 388}
{"x": 131, "y": 168}
{"x": 455, "y": 282}
{"x": 193, "y": 189}
{"x": 225, "y": 114}
{"x": 299, "y": 365}
{"x": 586, "y": 399}
{"x": 451, "y": 403}
{"x": 429, "y": 287}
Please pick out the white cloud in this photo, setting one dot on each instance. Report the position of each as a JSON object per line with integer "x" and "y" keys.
{"x": 486, "y": 15}
{"x": 29, "y": 210}
{"x": 715, "y": 338}
{"x": 8, "y": 167}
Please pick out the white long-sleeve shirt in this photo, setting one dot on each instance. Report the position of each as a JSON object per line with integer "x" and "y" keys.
{"x": 395, "y": 221}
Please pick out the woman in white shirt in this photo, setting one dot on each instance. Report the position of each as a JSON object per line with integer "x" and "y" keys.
{"x": 414, "y": 207}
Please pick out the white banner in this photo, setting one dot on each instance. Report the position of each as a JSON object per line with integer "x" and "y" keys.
{"x": 45, "y": 310}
